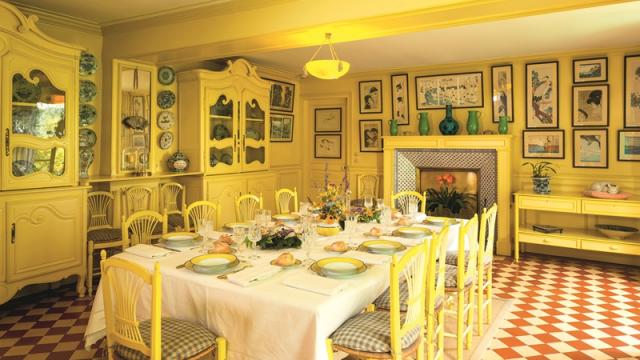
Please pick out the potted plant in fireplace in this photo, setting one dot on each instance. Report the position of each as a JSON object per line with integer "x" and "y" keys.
{"x": 448, "y": 200}
{"x": 541, "y": 172}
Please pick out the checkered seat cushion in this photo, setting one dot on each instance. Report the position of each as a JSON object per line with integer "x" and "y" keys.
{"x": 370, "y": 332}
{"x": 383, "y": 302}
{"x": 180, "y": 340}
{"x": 451, "y": 277}
{"x": 104, "y": 235}
{"x": 175, "y": 220}
{"x": 452, "y": 258}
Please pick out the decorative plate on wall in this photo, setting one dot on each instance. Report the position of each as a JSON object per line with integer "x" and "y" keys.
{"x": 88, "y": 114}
{"x": 166, "y": 75}
{"x": 166, "y": 99}
{"x": 166, "y": 140}
{"x": 88, "y": 138}
{"x": 88, "y": 64}
{"x": 88, "y": 91}
{"x": 166, "y": 120}
{"x": 24, "y": 91}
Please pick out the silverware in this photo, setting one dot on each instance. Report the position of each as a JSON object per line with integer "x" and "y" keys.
{"x": 224, "y": 276}
{"x": 164, "y": 247}
{"x": 180, "y": 266}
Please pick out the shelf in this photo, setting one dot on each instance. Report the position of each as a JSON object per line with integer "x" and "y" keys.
{"x": 222, "y": 117}
{"x": 256, "y": 120}
{"x": 159, "y": 175}
{"x": 581, "y": 234}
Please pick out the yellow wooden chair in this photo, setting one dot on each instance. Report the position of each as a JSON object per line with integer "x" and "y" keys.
{"x": 101, "y": 233}
{"x": 142, "y": 227}
{"x": 402, "y": 200}
{"x": 436, "y": 296}
{"x": 246, "y": 206}
{"x": 283, "y": 200}
{"x": 460, "y": 285}
{"x": 200, "y": 211}
{"x": 364, "y": 335}
{"x": 367, "y": 186}
{"x": 137, "y": 198}
{"x": 156, "y": 338}
{"x": 485, "y": 265}
{"x": 172, "y": 199}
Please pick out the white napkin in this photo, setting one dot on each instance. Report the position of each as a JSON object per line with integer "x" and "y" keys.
{"x": 314, "y": 283}
{"x": 147, "y": 251}
{"x": 368, "y": 258}
{"x": 250, "y": 275}
{"x": 420, "y": 217}
{"x": 403, "y": 241}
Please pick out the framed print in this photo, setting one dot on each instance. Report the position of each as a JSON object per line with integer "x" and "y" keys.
{"x": 281, "y": 97}
{"x": 138, "y": 140}
{"x": 400, "y": 98}
{"x": 632, "y": 91}
{"x": 370, "y": 96}
{"x": 281, "y": 127}
{"x": 590, "y": 148}
{"x": 590, "y": 70}
{"x": 542, "y": 95}
{"x": 328, "y": 120}
{"x": 459, "y": 90}
{"x": 328, "y": 146}
{"x": 543, "y": 144}
{"x": 371, "y": 135}
{"x": 502, "y": 92}
{"x": 628, "y": 145}
{"x": 590, "y": 105}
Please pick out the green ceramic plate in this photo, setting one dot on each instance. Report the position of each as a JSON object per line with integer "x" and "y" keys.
{"x": 212, "y": 263}
{"x": 338, "y": 267}
{"x": 412, "y": 232}
{"x": 440, "y": 221}
{"x": 386, "y": 247}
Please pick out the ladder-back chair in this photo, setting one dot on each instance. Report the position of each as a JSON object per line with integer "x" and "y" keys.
{"x": 246, "y": 206}
{"x": 173, "y": 200}
{"x": 101, "y": 233}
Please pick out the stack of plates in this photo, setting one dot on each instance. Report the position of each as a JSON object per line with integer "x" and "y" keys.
{"x": 338, "y": 267}
{"x": 386, "y": 247}
{"x": 212, "y": 263}
{"x": 412, "y": 232}
{"x": 286, "y": 218}
{"x": 180, "y": 239}
{"x": 233, "y": 225}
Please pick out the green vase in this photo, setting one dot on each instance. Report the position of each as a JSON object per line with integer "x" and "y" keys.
{"x": 423, "y": 123}
{"x": 503, "y": 125}
{"x": 473, "y": 125}
{"x": 393, "y": 127}
{"x": 448, "y": 125}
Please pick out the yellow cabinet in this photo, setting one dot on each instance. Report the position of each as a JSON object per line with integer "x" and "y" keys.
{"x": 224, "y": 190}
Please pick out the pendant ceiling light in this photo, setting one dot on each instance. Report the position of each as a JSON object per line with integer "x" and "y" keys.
{"x": 328, "y": 69}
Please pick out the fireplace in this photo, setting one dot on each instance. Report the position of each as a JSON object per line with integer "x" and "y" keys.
{"x": 450, "y": 192}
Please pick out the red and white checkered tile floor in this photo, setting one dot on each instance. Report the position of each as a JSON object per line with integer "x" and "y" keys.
{"x": 564, "y": 309}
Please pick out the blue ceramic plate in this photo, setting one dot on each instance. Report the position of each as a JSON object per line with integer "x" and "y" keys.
{"x": 88, "y": 64}
{"x": 166, "y": 99}
{"x": 166, "y": 75}
{"x": 88, "y": 114}
{"x": 88, "y": 91}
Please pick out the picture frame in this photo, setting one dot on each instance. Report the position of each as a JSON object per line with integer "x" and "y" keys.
{"x": 328, "y": 120}
{"x": 628, "y": 145}
{"x": 590, "y": 105}
{"x": 281, "y": 96}
{"x": 461, "y": 90}
{"x": 138, "y": 106}
{"x": 590, "y": 70}
{"x": 370, "y": 94}
{"x": 632, "y": 91}
{"x": 542, "y": 106}
{"x": 371, "y": 135}
{"x": 281, "y": 127}
{"x": 138, "y": 140}
{"x": 502, "y": 92}
{"x": 543, "y": 144}
{"x": 400, "y": 98}
{"x": 327, "y": 146}
{"x": 590, "y": 148}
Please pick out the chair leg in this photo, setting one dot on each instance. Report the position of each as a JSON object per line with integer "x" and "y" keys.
{"x": 221, "y": 348}
{"x": 420, "y": 350}
{"x": 329, "y": 345}
{"x": 460, "y": 325}
{"x": 440, "y": 350}
{"x": 480, "y": 305}
{"x": 469, "y": 324}
{"x": 90, "y": 268}
{"x": 429, "y": 339}
{"x": 489, "y": 295}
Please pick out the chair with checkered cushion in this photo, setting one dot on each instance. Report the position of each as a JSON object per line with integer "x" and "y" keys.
{"x": 405, "y": 200}
{"x": 142, "y": 227}
{"x": 156, "y": 338}
{"x": 393, "y": 334}
{"x": 100, "y": 231}
{"x": 173, "y": 201}
{"x": 246, "y": 206}
{"x": 460, "y": 285}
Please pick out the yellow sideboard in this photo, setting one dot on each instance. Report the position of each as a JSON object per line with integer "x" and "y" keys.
{"x": 578, "y": 227}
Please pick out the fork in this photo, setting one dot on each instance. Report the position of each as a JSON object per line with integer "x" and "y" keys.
{"x": 224, "y": 276}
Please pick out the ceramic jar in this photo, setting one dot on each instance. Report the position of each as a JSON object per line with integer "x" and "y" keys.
{"x": 178, "y": 162}
{"x": 448, "y": 125}
{"x": 393, "y": 127}
{"x": 423, "y": 123}
{"x": 503, "y": 125}
{"x": 473, "y": 125}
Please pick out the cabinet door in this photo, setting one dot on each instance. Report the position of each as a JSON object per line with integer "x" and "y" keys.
{"x": 225, "y": 192}
{"x": 223, "y": 132}
{"x": 255, "y": 130}
{"x": 265, "y": 185}
{"x": 45, "y": 234}
{"x": 39, "y": 129}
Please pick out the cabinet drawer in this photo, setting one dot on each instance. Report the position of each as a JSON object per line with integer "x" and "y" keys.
{"x": 545, "y": 239}
{"x": 610, "y": 246}
{"x": 610, "y": 208}
{"x": 549, "y": 204}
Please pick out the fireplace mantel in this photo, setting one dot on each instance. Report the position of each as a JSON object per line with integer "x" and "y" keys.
{"x": 500, "y": 143}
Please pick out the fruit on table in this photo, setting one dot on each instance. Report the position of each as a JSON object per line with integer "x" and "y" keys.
{"x": 285, "y": 259}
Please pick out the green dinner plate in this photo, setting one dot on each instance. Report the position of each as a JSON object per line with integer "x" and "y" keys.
{"x": 180, "y": 239}
{"x": 212, "y": 263}
{"x": 386, "y": 247}
{"x": 440, "y": 221}
{"x": 338, "y": 267}
{"x": 412, "y": 232}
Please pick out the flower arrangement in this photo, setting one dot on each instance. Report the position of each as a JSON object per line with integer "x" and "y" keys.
{"x": 281, "y": 237}
{"x": 367, "y": 215}
{"x": 331, "y": 204}
{"x": 448, "y": 198}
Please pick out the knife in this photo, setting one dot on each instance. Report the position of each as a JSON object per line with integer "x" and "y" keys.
{"x": 224, "y": 276}
{"x": 164, "y": 247}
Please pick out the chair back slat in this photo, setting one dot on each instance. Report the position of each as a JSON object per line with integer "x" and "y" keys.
{"x": 100, "y": 210}
{"x": 246, "y": 206}
{"x": 138, "y": 198}
{"x": 283, "y": 200}
{"x": 404, "y": 200}
{"x": 200, "y": 211}
{"x": 139, "y": 227}
{"x": 487, "y": 234}
{"x": 170, "y": 194}
{"x": 367, "y": 186}
{"x": 468, "y": 235}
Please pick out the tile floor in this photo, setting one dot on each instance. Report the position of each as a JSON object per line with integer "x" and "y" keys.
{"x": 564, "y": 309}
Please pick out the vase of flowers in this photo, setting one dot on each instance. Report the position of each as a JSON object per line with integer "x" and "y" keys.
{"x": 448, "y": 200}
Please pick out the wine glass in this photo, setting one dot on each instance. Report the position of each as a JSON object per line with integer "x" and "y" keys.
{"x": 255, "y": 234}
{"x": 368, "y": 202}
{"x": 308, "y": 238}
{"x": 380, "y": 203}
{"x": 350, "y": 223}
{"x": 239, "y": 233}
{"x": 203, "y": 231}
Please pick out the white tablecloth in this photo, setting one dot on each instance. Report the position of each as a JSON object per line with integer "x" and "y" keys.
{"x": 266, "y": 321}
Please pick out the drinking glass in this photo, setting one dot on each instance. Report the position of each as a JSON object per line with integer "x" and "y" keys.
{"x": 239, "y": 234}
{"x": 308, "y": 238}
{"x": 368, "y": 202}
{"x": 350, "y": 224}
{"x": 204, "y": 229}
{"x": 386, "y": 218}
{"x": 380, "y": 203}
{"x": 412, "y": 205}
{"x": 255, "y": 234}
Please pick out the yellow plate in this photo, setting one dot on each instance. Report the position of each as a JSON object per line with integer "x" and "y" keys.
{"x": 232, "y": 225}
{"x": 382, "y": 247}
{"x": 180, "y": 238}
{"x": 412, "y": 232}
{"x": 212, "y": 263}
{"x": 286, "y": 217}
{"x": 296, "y": 263}
{"x": 338, "y": 267}
{"x": 439, "y": 221}
{"x": 327, "y": 231}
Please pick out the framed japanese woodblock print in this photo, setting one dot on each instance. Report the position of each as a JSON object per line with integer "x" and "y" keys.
{"x": 590, "y": 105}
{"x": 371, "y": 135}
{"x": 328, "y": 146}
{"x": 370, "y": 96}
{"x": 400, "y": 98}
{"x": 459, "y": 90}
{"x": 543, "y": 144}
{"x": 590, "y": 148}
{"x": 542, "y": 95}
{"x": 281, "y": 97}
{"x": 328, "y": 120}
{"x": 632, "y": 91}
{"x": 590, "y": 70}
{"x": 628, "y": 145}
{"x": 502, "y": 92}
{"x": 281, "y": 127}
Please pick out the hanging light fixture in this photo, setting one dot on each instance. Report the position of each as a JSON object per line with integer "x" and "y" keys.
{"x": 328, "y": 69}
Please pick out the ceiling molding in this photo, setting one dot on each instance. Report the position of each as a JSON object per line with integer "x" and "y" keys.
{"x": 58, "y": 19}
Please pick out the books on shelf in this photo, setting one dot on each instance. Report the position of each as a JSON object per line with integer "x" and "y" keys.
{"x": 548, "y": 229}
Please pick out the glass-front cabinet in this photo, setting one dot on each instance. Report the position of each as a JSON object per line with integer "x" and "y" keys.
{"x": 254, "y": 139}
{"x": 222, "y": 131}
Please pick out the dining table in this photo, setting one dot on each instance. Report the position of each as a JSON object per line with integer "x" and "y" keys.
{"x": 269, "y": 318}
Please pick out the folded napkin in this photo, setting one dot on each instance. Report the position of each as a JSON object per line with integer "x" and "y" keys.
{"x": 403, "y": 241}
{"x": 316, "y": 284}
{"x": 147, "y": 251}
{"x": 368, "y": 258}
{"x": 250, "y": 275}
